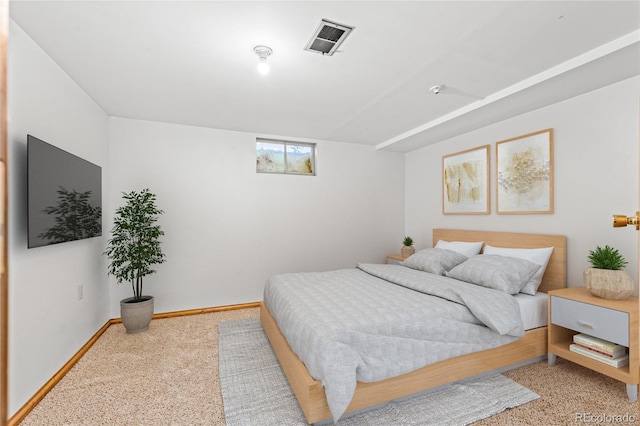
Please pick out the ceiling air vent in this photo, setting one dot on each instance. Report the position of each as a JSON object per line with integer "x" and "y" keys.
{"x": 327, "y": 37}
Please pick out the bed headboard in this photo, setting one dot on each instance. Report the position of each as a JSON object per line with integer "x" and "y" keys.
{"x": 556, "y": 274}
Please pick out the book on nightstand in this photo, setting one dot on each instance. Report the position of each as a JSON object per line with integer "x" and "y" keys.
{"x": 618, "y": 362}
{"x": 603, "y": 347}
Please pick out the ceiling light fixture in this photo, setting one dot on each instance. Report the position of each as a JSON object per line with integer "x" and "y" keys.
{"x": 263, "y": 53}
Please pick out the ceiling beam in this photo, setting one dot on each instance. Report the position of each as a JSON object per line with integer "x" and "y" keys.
{"x": 570, "y": 65}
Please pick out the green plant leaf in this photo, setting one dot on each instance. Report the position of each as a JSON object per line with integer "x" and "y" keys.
{"x": 606, "y": 258}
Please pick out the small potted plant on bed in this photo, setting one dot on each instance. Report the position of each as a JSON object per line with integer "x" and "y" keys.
{"x": 606, "y": 278}
{"x": 132, "y": 250}
{"x": 407, "y": 247}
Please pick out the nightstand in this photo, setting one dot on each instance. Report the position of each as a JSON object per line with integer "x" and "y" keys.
{"x": 575, "y": 310}
{"x": 394, "y": 259}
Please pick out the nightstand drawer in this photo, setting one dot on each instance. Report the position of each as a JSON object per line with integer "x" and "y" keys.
{"x": 607, "y": 324}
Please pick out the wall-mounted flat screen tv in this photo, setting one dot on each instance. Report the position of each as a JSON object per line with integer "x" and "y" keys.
{"x": 64, "y": 195}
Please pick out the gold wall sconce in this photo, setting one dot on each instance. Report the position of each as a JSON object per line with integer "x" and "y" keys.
{"x": 620, "y": 220}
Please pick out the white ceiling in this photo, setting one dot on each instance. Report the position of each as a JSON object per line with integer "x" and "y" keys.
{"x": 193, "y": 62}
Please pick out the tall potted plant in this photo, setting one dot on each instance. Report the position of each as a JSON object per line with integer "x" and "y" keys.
{"x": 133, "y": 249}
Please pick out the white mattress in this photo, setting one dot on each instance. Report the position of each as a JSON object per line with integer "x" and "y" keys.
{"x": 533, "y": 309}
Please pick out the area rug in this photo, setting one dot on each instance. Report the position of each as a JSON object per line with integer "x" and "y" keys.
{"x": 255, "y": 390}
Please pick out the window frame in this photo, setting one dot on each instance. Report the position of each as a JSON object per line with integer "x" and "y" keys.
{"x": 285, "y": 144}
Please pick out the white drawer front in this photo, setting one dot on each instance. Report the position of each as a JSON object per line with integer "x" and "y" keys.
{"x": 607, "y": 324}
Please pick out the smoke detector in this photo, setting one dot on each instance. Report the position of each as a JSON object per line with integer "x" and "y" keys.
{"x": 437, "y": 89}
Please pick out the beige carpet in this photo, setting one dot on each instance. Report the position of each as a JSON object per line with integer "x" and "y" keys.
{"x": 169, "y": 376}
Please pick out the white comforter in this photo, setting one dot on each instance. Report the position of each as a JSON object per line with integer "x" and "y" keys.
{"x": 380, "y": 321}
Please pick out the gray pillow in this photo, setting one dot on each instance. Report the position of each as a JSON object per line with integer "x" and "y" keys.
{"x": 433, "y": 260}
{"x": 508, "y": 274}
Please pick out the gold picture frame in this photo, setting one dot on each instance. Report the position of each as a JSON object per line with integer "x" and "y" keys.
{"x": 524, "y": 174}
{"x": 465, "y": 182}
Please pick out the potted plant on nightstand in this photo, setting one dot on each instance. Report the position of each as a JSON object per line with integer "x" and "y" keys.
{"x": 606, "y": 278}
{"x": 132, "y": 250}
{"x": 407, "y": 247}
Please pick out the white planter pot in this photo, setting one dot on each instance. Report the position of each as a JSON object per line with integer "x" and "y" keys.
{"x": 136, "y": 316}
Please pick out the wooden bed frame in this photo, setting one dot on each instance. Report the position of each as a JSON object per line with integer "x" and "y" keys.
{"x": 310, "y": 393}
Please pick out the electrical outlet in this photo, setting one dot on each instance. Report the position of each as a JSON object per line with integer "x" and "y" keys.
{"x": 80, "y": 291}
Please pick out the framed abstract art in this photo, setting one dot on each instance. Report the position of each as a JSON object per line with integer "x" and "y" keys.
{"x": 465, "y": 182}
{"x": 524, "y": 174}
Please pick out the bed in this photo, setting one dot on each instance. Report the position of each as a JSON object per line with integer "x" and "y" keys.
{"x": 532, "y": 345}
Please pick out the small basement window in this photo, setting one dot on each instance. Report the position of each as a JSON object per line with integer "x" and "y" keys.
{"x": 273, "y": 156}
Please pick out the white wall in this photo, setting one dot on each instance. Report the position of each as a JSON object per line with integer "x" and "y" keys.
{"x": 47, "y": 322}
{"x": 228, "y": 228}
{"x": 596, "y": 175}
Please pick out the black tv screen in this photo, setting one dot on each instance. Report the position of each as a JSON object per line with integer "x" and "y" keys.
{"x": 64, "y": 195}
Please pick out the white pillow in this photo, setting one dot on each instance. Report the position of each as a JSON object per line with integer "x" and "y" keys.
{"x": 539, "y": 255}
{"x": 462, "y": 247}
